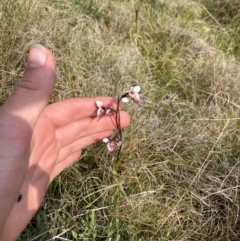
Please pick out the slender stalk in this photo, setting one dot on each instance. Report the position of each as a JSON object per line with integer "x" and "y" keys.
{"x": 118, "y": 120}
{"x": 118, "y": 123}
{"x": 118, "y": 160}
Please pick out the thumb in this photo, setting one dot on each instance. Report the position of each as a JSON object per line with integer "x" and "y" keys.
{"x": 33, "y": 91}
{"x": 18, "y": 117}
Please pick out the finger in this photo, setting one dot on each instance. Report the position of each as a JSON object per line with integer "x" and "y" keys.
{"x": 69, "y": 154}
{"x": 73, "y": 157}
{"x": 19, "y": 115}
{"x": 33, "y": 91}
{"x": 88, "y": 126}
{"x": 67, "y": 111}
{"x": 80, "y": 144}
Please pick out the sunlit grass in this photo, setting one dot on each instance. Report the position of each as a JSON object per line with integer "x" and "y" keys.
{"x": 179, "y": 173}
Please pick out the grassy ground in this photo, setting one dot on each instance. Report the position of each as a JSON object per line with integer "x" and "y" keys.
{"x": 179, "y": 173}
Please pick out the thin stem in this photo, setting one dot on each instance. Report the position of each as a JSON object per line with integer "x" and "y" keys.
{"x": 118, "y": 120}
{"x": 117, "y": 162}
{"x": 118, "y": 123}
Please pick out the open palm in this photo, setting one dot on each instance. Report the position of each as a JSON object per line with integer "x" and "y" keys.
{"x": 38, "y": 141}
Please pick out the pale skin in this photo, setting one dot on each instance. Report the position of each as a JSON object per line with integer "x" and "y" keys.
{"x": 38, "y": 141}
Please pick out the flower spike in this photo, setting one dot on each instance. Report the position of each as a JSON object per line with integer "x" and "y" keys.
{"x": 115, "y": 141}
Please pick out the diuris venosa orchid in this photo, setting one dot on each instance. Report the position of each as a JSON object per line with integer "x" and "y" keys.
{"x": 102, "y": 110}
{"x": 132, "y": 94}
{"x": 116, "y": 140}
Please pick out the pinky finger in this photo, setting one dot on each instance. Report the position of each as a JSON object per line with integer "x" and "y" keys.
{"x": 69, "y": 154}
{"x": 73, "y": 157}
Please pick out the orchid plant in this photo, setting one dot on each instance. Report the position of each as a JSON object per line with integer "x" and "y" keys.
{"x": 102, "y": 110}
{"x": 116, "y": 140}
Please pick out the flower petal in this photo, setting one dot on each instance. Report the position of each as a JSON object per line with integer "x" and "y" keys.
{"x": 108, "y": 110}
{"x": 119, "y": 143}
{"x": 136, "y": 89}
{"x": 99, "y": 104}
{"x": 125, "y": 99}
{"x": 100, "y": 112}
{"x": 137, "y": 97}
{"x": 106, "y": 140}
{"x": 110, "y": 146}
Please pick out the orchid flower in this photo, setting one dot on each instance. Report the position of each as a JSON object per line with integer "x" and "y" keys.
{"x": 102, "y": 110}
{"x": 132, "y": 94}
{"x": 112, "y": 143}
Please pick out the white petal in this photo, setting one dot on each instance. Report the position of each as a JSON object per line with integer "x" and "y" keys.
{"x": 137, "y": 97}
{"x": 99, "y": 104}
{"x": 119, "y": 143}
{"x": 106, "y": 140}
{"x": 136, "y": 88}
{"x": 100, "y": 112}
{"x": 110, "y": 147}
{"x": 108, "y": 110}
{"x": 125, "y": 99}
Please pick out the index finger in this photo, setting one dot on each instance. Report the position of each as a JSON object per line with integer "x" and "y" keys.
{"x": 67, "y": 111}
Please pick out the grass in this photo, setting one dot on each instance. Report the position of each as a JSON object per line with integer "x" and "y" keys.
{"x": 179, "y": 172}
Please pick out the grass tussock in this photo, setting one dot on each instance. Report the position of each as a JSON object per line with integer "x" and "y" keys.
{"x": 179, "y": 172}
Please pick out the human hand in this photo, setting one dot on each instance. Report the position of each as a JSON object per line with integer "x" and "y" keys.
{"x": 38, "y": 141}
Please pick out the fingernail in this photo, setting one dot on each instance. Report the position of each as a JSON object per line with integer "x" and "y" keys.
{"x": 37, "y": 56}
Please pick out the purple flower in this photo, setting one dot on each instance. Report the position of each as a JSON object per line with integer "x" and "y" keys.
{"x": 132, "y": 94}
{"x": 112, "y": 143}
{"x": 102, "y": 110}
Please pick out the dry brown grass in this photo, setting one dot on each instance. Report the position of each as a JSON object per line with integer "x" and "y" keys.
{"x": 179, "y": 173}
